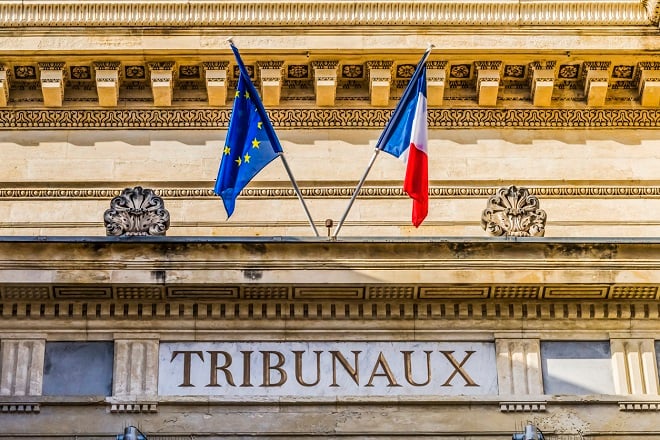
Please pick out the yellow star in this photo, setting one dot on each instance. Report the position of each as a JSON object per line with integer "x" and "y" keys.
{"x": 259, "y": 125}
{"x": 247, "y": 94}
{"x": 246, "y": 158}
{"x": 238, "y": 94}
{"x": 255, "y": 143}
{"x": 227, "y": 150}
{"x": 238, "y": 161}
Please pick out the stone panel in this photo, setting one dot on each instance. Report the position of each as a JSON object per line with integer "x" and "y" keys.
{"x": 78, "y": 369}
{"x": 577, "y": 368}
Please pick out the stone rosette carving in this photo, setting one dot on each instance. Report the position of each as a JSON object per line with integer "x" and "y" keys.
{"x": 135, "y": 212}
{"x": 514, "y": 212}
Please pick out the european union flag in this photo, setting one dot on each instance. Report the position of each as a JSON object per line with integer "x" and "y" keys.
{"x": 251, "y": 141}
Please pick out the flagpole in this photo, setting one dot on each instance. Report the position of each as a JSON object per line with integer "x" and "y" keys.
{"x": 299, "y": 194}
{"x": 355, "y": 193}
{"x": 379, "y": 147}
{"x": 274, "y": 139}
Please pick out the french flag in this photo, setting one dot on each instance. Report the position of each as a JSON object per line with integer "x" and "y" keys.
{"x": 406, "y": 137}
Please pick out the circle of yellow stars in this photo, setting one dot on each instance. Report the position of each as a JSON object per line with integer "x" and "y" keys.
{"x": 255, "y": 143}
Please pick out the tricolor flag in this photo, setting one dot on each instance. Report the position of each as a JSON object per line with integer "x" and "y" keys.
{"x": 406, "y": 137}
{"x": 251, "y": 142}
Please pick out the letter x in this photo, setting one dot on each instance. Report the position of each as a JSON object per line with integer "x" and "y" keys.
{"x": 458, "y": 368}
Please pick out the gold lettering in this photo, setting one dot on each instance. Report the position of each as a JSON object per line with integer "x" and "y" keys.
{"x": 213, "y": 380}
{"x": 352, "y": 371}
{"x": 387, "y": 372}
{"x": 299, "y": 368}
{"x": 187, "y": 360}
{"x": 268, "y": 367}
{"x": 458, "y": 368}
{"x": 407, "y": 360}
{"x": 246, "y": 368}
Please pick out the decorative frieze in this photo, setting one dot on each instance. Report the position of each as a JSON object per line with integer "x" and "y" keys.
{"x": 137, "y": 211}
{"x": 514, "y": 212}
{"x": 345, "y": 118}
{"x": 146, "y": 293}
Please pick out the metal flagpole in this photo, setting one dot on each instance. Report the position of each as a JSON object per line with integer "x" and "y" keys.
{"x": 274, "y": 139}
{"x": 384, "y": 135}
{"x": 298, "y": 193}
{"x": 355, "y": 193}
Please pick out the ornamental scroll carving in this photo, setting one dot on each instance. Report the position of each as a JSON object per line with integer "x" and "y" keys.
{"x": 514, "y": 212}
{"x": 136, "y": 211}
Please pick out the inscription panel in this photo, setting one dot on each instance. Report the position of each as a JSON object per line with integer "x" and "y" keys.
{"x": 327, "y": 368}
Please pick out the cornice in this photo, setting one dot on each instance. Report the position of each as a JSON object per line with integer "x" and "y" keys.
{"x": 340, "y": 118}
{"x": 301, "y": 13}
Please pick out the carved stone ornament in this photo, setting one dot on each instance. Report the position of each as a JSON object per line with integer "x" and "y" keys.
{"x": 136, "y": 211}
{"x": 514, "y": 212}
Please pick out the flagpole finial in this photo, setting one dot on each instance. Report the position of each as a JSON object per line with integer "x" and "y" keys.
{"x": 430, "y": 46}
{"x": 230, "y": 40}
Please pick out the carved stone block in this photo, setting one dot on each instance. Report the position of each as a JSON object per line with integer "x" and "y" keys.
{"x": 137, "y": 211}
{"x": 514, "y": 212}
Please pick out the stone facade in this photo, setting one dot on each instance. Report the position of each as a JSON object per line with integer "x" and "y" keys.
{"x": 252, "y": 327}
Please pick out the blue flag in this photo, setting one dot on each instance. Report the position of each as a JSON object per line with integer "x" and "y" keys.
{"x": 251, "y": 142}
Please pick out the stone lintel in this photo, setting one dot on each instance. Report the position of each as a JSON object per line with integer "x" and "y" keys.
{"x": 216, "y": 82}
{"x": 325, "y": 82}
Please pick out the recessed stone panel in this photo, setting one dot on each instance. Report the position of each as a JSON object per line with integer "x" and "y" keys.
{"x": 577, "y": 367}
{"x": 78, "y": 369}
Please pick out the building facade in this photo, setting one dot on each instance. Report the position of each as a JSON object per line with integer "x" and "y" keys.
{"x": 528, "y": 297}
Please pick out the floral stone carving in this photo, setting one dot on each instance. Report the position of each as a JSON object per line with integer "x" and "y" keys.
{"x": 137, "y": 211}
{"x": 514, "y": 212}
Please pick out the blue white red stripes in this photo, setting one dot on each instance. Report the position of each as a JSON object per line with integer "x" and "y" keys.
{"x": 406, "y": 137}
